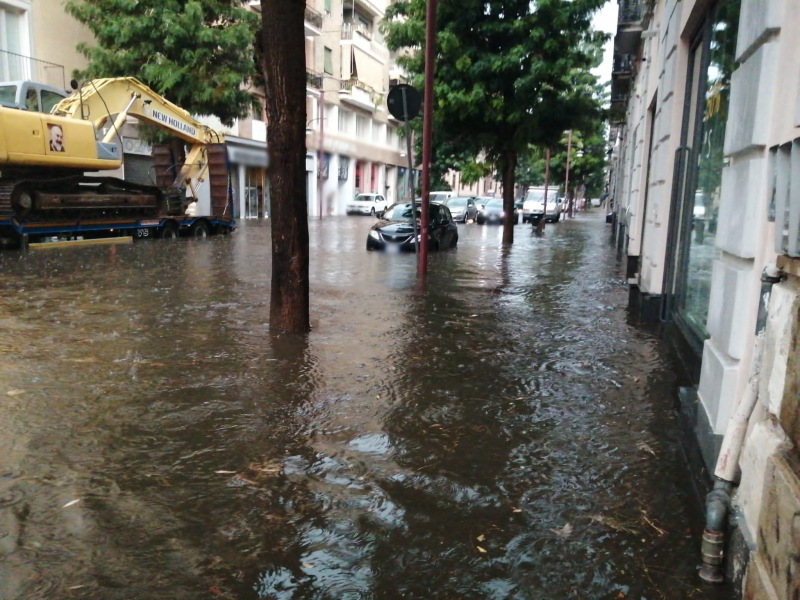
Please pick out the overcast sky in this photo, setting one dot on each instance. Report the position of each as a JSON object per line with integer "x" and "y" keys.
{"x": 606, "y": 20}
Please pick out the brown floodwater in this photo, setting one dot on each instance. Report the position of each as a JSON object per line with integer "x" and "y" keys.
{"x": 505, "y": 430}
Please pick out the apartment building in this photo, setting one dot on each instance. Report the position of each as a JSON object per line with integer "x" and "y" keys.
{"x": 706, "y": 96}
{"x": 353, "y": 143}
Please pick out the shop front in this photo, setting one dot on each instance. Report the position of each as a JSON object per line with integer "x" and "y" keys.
{"x": 248, "y": 161}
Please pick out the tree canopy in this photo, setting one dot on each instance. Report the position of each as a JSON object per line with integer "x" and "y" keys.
{"x": 196, "y": 53}
{"x": 509, "y": 73}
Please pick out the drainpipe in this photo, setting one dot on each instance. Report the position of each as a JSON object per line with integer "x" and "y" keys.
{"x": 718, "y": 501}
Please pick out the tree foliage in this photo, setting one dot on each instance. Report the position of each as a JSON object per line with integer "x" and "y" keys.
{"x": 587, "y": 161}
{"x": 196, "y": 53}
{"x": 509, "y": 73}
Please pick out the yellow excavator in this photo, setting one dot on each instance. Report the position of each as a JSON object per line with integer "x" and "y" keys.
{"x": 46, "y": 161}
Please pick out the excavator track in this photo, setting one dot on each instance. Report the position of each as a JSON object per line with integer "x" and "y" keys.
{"x": 79, "y": 197}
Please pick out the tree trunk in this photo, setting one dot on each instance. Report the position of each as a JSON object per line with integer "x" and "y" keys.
{"x": 508, "y": 164}
{"x": 283, "y": 40}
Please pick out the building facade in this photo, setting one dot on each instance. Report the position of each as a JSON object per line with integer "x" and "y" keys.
{"x": 706, "y": 104}
{"x": 353, "y": 143}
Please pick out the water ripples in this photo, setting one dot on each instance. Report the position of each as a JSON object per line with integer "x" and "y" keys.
{"x": 502, "y": 432}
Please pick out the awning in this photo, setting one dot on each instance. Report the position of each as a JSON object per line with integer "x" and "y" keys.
{"x": 248, "y": 154}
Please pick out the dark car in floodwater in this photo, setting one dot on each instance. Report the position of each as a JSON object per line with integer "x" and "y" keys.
{"x": 395, "y": 231}
{"x": 493, "y": 212}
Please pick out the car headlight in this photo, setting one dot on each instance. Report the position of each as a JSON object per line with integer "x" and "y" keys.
{"x": 373, "y": 233}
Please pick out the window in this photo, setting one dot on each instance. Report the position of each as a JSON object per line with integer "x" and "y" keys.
{"x": 344, "y": 120}
{"x": 362, "y": 126}
{"x": 13, "y": 39}
{"x": 693, "y": 226}
{"x": 49, "y": 100}
{"x": 31, "y": 100}
{"x": 328, "y": 8}
{"x": 328, "y": 61}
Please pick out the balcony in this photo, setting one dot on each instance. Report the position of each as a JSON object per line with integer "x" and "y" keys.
{"x": 622, "y": 73}
{"x": 16, "y": 66}
{"x": 619, "y": 108}
{"x": 365, "y": 39}
{"x": 623, "y": 65}
{"x": 620, "y": 86}
{"x": 629, "y": 26}
{"x": 630, "y": 11}
{"x": 359, "y": 94}
{"x": 618, "y": 99}
{"x": 313, "y": 79}
{"x": 312, "y": 22}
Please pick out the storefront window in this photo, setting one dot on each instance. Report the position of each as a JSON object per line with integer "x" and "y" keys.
{"x": 253, "y": 191}
{"x": 708, "y": 97}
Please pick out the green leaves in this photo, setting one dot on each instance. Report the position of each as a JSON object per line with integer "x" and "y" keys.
{"x": 196, "y": 53}
{"x": 504, "y": 69}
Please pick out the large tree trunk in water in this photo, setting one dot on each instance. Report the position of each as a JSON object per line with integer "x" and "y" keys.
{"x": 508, "y": 164}
{"x": 285, "y": 73}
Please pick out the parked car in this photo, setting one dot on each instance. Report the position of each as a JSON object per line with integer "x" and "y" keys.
{"x": 463, "y": 208}
{"x": 440, "y": 196}
{"x": 367, "y": 204}
{"x": 533, "y": 207}
{"x": 493, "y": 212}
{"x": 395, "y": 231}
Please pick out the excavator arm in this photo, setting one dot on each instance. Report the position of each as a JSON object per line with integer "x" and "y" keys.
{"x": 108, "y": 102}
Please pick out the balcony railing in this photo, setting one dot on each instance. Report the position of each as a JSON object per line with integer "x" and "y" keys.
{"x": 349, "y": 28}
{"x": 349, "y": 84}
{"x": 630, "y": 11}
{"x": 368, "y": 40}
{"x": 360, "y": 93}
{"x": 16, "y": 66}
{"x": 623, "y": 64}
{"x": 617, "y": 99}
{"x": 313, "y": 17}
{"x": 314, "y": 79}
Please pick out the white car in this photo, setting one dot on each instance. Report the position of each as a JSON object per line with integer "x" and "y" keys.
{"x": 533, "y": 207}
{"x": 367, "y": 204}
{"x": 440, "y": 196}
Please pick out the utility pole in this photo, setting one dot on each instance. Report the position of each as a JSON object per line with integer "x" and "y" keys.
{"x": 320, "y": 150}
{"x": 566, "y": 181}
{"x": 427, "y": 129}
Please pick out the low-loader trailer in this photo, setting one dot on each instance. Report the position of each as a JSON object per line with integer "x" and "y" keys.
{"x": 51, "y": 164}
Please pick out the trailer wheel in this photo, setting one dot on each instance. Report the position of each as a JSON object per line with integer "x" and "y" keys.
{"x": 200, "y": 230}
{"x": 169, "y": 231}
{"x": 22, "y": 201}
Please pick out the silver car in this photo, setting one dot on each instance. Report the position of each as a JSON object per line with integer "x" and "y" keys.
{"x": 463, "y": 208}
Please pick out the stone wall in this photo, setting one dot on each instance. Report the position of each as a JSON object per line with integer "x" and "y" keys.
{"x": 768, "y": 498}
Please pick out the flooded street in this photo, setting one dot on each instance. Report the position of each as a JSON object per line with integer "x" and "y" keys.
{"x": 507, "y": 431}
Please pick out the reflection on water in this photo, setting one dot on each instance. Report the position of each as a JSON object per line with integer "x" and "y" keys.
{"x": 504, "y": 432}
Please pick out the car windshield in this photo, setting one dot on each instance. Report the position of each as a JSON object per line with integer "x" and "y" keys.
{"x": 365, "y": 198}
{"x": 494, "y": 203}
{"x": 456, "y": 202}
{"x": 402, "y": 212}
{"x": 536, "y": 196}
